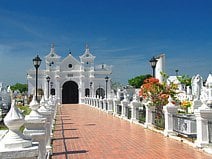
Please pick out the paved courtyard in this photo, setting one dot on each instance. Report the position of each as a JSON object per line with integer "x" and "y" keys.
{"x": 87, "y": 133}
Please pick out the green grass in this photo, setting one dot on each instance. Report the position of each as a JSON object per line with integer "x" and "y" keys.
{"x": 142, "y": 119}
{"x": 25, "y": 109}
{"x": 3, "y": 127}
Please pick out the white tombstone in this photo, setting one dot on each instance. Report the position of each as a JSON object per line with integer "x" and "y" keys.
{"x": 14, "y": 144}
{"x": 209, "y": 90}
{"x": 197, "y": 84}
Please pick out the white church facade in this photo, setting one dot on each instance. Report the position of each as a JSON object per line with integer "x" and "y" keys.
{"x": 71, "y": 80}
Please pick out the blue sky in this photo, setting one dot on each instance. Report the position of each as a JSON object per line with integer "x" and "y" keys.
{"x": 122, "y": 33}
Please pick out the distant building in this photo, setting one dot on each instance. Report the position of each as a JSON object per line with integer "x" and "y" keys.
{"x": 71, "y": 79}
{"x": 2, "y": 86}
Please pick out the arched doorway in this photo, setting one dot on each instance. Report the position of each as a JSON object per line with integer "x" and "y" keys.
{"x": 70, "y": 93}
{"x": 87, "y": 92}
{"x": 52, "y": 91}
{"x": 100, "y": 92}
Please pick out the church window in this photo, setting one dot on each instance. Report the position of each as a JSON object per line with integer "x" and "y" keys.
{"x": 87, "y": 63}
{"x": 51, "y": 63}
{"x": 52, "y": 55}
{"x": 70, "y": 65}
{"x": 87, "y": 55}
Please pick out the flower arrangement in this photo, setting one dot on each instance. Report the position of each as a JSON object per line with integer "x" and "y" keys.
{"x": 157, "y": 93}
{"x": 185, "y": 105}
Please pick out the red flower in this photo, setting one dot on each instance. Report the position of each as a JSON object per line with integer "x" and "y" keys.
{"x": 157, "y": 93}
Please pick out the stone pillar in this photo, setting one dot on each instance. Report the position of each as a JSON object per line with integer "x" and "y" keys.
{"x": 110, "y": 106}
{"x": 134, "y": 104}
{"x": 14, "y": 144}
{"x": 97, "y": 102}
{"x": 86, "y": 100}
{"x": 91, "y": 101}
{"x": 149, "y": 115}
{"x": 35, "y": 128}
{"x": 105, "y": 104}
{"x": 203, "y": 116}
{"x": 94, "y": 101}
{"x": 169, "y": 110}
{"x": 116, "y": 101}
{"x": 202, "y": 127}
{"x": 46, "y": 113}
{"x": 100, "y": 103}
{"x": 124, "y": 105}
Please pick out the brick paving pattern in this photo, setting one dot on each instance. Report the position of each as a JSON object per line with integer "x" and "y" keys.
{"x": 82, "y": 132}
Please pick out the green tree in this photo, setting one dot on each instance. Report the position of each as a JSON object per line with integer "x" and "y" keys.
{"x": 138, "y": 80}
{"x": 21, "y": 87}
{"x": 184, "y": 79}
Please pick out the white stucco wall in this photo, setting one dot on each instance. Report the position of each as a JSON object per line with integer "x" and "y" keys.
{"x": 160, "y": 66}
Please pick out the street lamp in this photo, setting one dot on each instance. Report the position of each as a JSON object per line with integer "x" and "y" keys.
{"x": 52, "y": 89}
{"x": 36, "y": 63}
{"x": 176, "y": 71}
{"x": 48, "y": 79}
{"x": 153, "y": 63}
{"x": 106, "y": 80}
{"x": 91, "y": 88}
{"x": 51, "y": 84}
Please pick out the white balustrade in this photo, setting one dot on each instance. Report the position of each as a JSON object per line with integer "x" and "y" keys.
{"x": 135, "y": 104}
{"x": 169, "y": 110}
{"x": 149, "y": 115}
{"x": 35, "y": 127}
{"x": 14, "y": 144}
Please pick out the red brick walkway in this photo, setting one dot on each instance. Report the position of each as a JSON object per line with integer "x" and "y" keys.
{"x": 87, "y": 133}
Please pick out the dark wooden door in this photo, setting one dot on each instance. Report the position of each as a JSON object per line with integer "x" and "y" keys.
{"x": 70, "y": 93}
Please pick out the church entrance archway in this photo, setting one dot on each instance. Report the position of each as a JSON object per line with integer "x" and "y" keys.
{"x": 87, "y": 92}
{"x": 70, "y": 93}
{"x": 100, "y": 92}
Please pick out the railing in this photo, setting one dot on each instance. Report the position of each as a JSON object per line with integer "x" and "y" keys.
{"x": 141, "y": 114}
{"x": 128, "y": 112}
{"x": 101, "y": 104}
{"x": 119, "y": 109}
{"x": 158, "y": 119}
{"x": 210, "y": 131}
{"x": 184, "y": 124}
